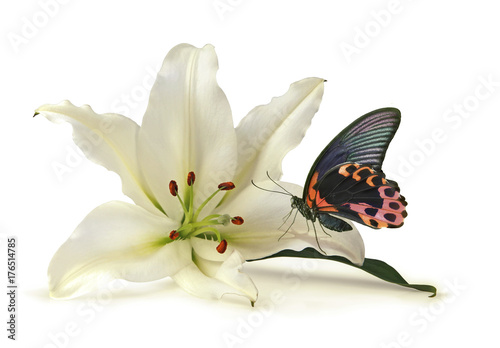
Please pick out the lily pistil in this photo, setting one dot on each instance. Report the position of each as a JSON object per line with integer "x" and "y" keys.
{"x": 192, "y": 224}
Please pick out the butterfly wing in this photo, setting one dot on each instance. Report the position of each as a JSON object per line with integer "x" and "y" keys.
{"x": 360, "y": 193}
{"x": 364, "y": 141}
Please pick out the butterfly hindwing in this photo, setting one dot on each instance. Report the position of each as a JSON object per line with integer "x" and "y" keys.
{"x": 357, "y": 192}
{"x": 364, "y": 141}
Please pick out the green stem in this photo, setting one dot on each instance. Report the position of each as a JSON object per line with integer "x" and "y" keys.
{"x": 191, "y": 198}
{"x": 204, "y": 230}
{"x": 186, "y": 213}
{"x": 210, "y": 217}
{"x": 198, "y": 211}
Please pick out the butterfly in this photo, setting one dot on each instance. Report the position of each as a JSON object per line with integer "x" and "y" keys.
{"x": 347, "y": 181}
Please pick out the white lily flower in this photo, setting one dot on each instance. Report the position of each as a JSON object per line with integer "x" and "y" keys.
{"x": 188, "y": 229}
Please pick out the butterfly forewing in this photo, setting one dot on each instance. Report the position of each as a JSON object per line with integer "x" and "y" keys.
{"x": 364, "y": 141}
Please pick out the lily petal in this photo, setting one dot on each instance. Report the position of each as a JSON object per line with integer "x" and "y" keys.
{"x": 108, "y": 140}
{"x": 116, "y": 240}
{"x": 263, "y": 212}
{"x": 212, "y": 279}
{"x": 269, "y": 131}
{"x": 187, "y": 127}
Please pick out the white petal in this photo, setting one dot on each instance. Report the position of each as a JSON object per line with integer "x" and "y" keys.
{"x": 213, "y": 279}
{"x": 116, "y": 240}
{"x": 269, "y": 131}
{"x": 187, "y": 127}
{"x": 263, "y": 213}
{"x": 108, "y": 140}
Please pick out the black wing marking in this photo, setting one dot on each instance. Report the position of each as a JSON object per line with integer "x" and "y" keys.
{"x": 359, "y": 193}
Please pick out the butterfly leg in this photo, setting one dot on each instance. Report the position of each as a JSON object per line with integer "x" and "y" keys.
{"x": 317, "y": 240}
{"x": 328, "y": 234}
{"x": 307, "y": 224}
{"x": 293, "y": 221}
{"x": 285, "y": 218}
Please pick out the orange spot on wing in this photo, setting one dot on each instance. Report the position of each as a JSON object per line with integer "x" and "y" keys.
{"x": 313, "y": 197}
{"x": 328, "y": 208}
{"x": 312, "y": 193}
{"x": 356, "y": 176}
{"x": 343, "y": 169}
{"x": 369, "y": 181}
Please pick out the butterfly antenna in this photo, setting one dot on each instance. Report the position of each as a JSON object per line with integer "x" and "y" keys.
{"x": 284, "y": 189}
{"x": 283, "y": 193}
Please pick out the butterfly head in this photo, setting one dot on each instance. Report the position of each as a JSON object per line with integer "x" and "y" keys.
{"x": 295, "y": 202}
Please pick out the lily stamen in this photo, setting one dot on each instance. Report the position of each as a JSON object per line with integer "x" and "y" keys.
{"x": 237, "y": 220}
{"x": 174, "y": 191}
{"x": 190, "y": 181}
{"x": 172, "y": 186}
{"x": 190, "y": 178}
{"x": 205, "y": 227}
{"x": 221, "y": 248}
{"x": 226, "y": 186}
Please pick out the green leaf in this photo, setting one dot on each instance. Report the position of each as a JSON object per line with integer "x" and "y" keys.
{"x": 377, "y": 268}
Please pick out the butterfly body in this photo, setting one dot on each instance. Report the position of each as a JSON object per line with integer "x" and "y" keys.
{"x": 346, "y": 180}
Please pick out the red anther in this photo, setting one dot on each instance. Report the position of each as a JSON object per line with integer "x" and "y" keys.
{"x": 237, "y": 220}
{"x": 190, "y": 178}
{"x": 221, "y": 248}
{"x": 173, "y": 188}
{"x": 226, "y": 186}
{"x": 174, "y": 234}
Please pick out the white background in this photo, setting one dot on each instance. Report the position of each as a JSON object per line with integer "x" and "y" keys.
{"x": 424, "y": 58}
